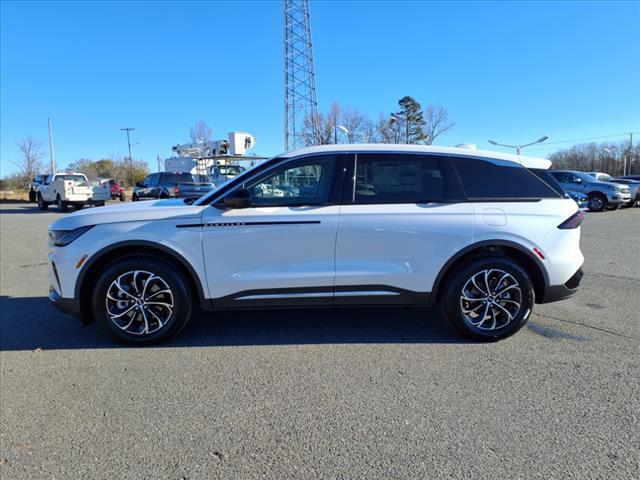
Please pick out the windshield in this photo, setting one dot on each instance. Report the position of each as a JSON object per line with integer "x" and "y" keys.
{"x": 77, "y": 179}
{"x": 177, "y": 178}
{"x": 230, "y": 169}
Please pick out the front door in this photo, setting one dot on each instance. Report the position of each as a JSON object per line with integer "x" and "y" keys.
{"x": 281, "y": 248}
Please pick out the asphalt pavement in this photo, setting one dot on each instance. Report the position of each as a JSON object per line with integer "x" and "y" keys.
{"x": 324, "y": 394}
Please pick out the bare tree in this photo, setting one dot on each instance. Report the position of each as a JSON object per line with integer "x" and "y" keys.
{"x": 319, "y": 129}
{"x": 200, "y": 132}
{"x": 387, "y": 130}
{"x": 30, "y": 162}
{"x": 359, "y": 127}
{"x": 436, "y": 123}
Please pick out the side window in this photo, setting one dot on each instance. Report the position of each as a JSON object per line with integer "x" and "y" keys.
{"x": 147, "y": 181}
{"x": 547, "y": 177}
{"x": 401, "y": 178}
{"x": 306, "y": 183}
{"x": 486, "y": 180}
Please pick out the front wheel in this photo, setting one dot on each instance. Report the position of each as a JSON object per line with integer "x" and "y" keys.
{"x": 32, "y": 196}
{"x": 489, "y": 299}
{"x": 141, "y": 301}
{"x": 134, "y": 198}
{"x": 597, "y": 202}
{"x": 42, "y": 205}
{"x": 62, "y": 205}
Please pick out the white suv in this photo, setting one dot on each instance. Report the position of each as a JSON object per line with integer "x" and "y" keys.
{"x": 485, "y": 234}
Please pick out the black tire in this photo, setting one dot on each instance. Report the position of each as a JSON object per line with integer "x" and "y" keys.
{"x": 597, "y": 202}
{"x": 504, "y": 325}
{"x": 32, "y": 196}
{"x": 42, "y": 205}
{"x": 164, "y": 195}
{"x": 134, "y": 198}
{"x": 122, "y": 197}
{"x": 180, "y": 298}
{"x": 62, "y": 206}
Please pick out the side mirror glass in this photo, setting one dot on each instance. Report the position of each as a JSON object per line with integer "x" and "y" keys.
{"x": 577, "y": 180}
{"x": 240, "y": 198}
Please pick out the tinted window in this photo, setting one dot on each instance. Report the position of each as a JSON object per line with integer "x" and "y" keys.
{"x": 485, "y": 180}
{"x": 397, "y": 178}
{"x": 548, "y": 178}
{"x": 305, "y": 183}
{"x": 177, "y": 178}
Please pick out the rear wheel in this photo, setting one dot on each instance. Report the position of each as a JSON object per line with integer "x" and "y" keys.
{"x": 141, "y": 301}
{"x": 122, "y": 196}
{"x": 597, "y": 202}
{"x": 62, "y": 205}
{"x": 42, "y": 205}
{"x": 489, "y": 299}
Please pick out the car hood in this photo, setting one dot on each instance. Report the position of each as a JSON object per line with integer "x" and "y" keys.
{"x": 129, "y": 212}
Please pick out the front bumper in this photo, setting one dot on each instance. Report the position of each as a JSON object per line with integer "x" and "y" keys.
{"x": 554, "y": 293}
{"x": 618, "y": 198}
{"x": 70, "y": 306}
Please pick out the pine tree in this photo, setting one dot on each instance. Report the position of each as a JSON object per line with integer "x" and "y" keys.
{"x": 412, "y": 119}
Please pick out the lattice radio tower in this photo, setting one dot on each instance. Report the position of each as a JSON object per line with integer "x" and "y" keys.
{"x": 300, "y": 98}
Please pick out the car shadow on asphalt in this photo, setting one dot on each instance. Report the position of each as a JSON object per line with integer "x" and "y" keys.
{"x": 33, "y": 323}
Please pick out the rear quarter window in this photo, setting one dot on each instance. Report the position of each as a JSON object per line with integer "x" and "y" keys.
{"x": 177, "y": 178}
{"x": 485, "y": 180}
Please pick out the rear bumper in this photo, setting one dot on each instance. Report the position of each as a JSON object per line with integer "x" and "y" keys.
{"x": 554, "y": 293}
{"x": 70, "y": 306}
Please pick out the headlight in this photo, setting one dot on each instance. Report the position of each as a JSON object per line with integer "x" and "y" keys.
{"x": 60, "y": 238}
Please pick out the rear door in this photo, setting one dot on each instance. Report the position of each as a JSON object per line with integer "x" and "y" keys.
{"x": 281, "y": 249}
{"x": 403, "y": 216}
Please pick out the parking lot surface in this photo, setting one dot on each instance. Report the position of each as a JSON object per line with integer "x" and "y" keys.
{"x": 362, "y": 393}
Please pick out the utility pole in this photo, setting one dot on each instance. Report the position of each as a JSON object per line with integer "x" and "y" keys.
{"x": 128, "y": 129}
{"x": 51, "y": 154}
{"x": 630, "y": 156}
{"x": 158, "y": 159}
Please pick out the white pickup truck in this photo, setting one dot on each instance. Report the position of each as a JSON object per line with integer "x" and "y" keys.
{"x": 65, "y": 189}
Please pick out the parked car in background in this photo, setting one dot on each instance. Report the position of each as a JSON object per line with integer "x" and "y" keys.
{"x": 336, "y": 225}
{"x": 580, "y": 198}
{"x": 634, "y": 189}
{"x": 602, "y": 195}
{"x": 170, "y": 185}
{"x": 633, "y": 185}
{"x": 116, "y": 190}
{"x": 70, "y": 189}
{"x": 33, "y": 188}
{"x": 631, "y": 177}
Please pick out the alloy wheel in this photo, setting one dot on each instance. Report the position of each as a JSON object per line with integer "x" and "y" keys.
{"x": 490, "y": 299}
{"x": 139, "y": 302}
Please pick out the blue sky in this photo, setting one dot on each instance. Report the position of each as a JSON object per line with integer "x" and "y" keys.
{"x": 508, "y": 71}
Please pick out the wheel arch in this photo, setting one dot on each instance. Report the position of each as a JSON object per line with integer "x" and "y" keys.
{"x": 505, "y": 248}
{"x": 96, "y": 264}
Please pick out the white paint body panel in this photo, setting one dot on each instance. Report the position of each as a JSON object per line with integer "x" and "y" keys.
{"x": 249, "y": 257}
{"x": 402, "y": 246}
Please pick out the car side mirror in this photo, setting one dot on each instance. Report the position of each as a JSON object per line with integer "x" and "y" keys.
{"x": 577, "y": 180}
{"x": 240, "y": 198}
{"x": 139, "y": 184}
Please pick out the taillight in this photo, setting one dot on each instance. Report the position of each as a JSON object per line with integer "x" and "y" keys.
{"x": 573, "y": 221}
{"x": 177, "y": 190}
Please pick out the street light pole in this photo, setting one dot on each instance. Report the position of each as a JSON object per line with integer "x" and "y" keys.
{"x": 128, "y": 129}
{"x": 519, "y": 147}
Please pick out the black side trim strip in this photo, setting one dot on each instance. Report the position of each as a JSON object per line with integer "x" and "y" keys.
{"x": 243, "y": 224}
